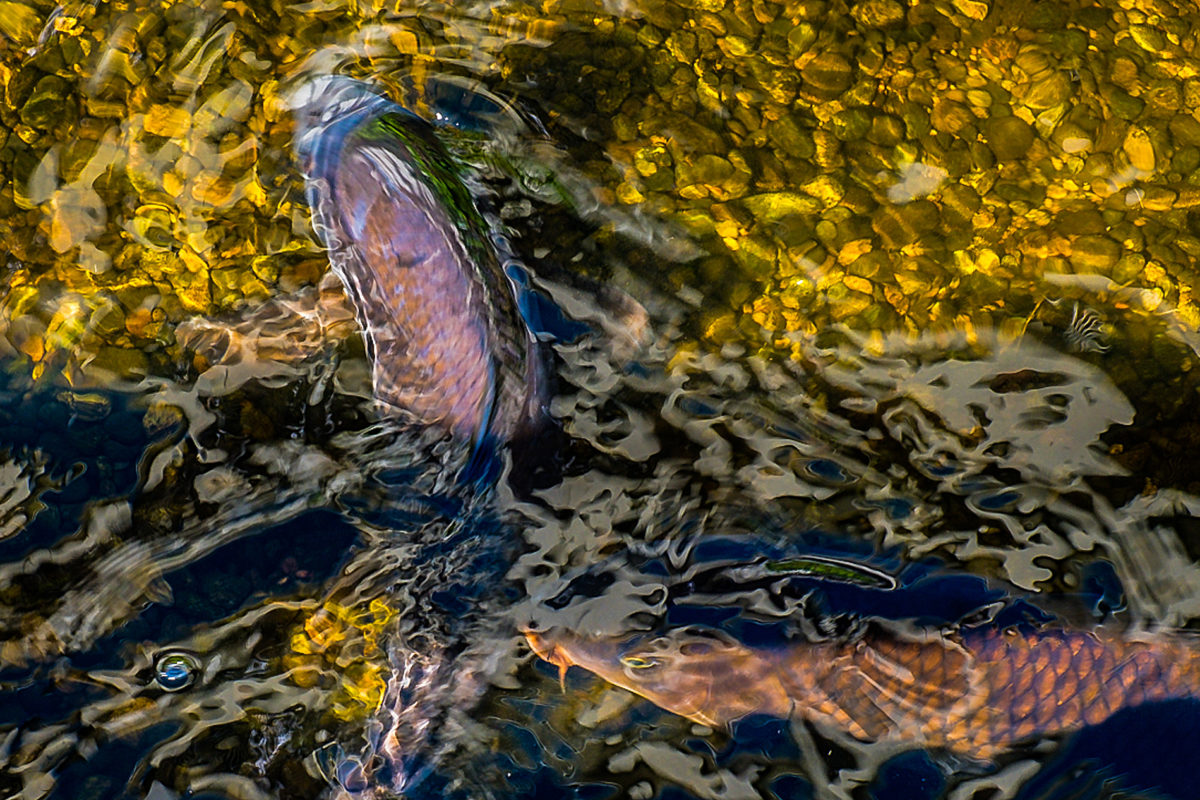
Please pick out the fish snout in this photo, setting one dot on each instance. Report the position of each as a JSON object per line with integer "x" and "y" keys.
{"x": 541, "y": 642}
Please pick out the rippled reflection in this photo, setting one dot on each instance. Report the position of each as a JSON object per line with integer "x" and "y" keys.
{"x": 862, "y": 317}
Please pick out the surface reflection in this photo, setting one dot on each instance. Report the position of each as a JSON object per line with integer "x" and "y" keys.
{"x": 869, "y": 327}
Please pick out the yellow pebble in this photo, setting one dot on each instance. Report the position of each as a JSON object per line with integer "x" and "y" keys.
{"x": 858, "y": 284}
{"x": 167, "y": 121}
{"x": 1139, "y": 149}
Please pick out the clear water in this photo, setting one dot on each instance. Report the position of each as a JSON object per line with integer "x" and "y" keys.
{"x": 878, "y": 324}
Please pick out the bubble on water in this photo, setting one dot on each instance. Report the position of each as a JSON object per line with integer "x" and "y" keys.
{"x": 176, "y": 671}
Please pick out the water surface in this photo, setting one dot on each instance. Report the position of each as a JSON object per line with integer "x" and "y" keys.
{"x": 919, "y": 289}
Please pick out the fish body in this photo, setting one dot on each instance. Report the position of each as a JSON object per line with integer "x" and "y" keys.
{"x": 439, "y": 314}
{"x": 974, "y": 693}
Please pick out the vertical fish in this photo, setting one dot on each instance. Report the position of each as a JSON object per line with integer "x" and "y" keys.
{"x": 439, "y": 315}
{"x": 975, "y": 693}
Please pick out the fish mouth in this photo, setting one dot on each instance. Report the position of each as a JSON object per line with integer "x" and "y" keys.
{"x": 549, "y": 651}
{"x": 541, "y": 644}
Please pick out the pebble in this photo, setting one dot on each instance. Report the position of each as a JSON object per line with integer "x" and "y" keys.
{"x": 1139, "y": 149}
{"x": 878, "y": 13}
{"x": 1094, "y": 253}
{"x": 770, "y": 207}
{"x": 169, "y": 122}
{"x": 48, "y": 104}
{"x": 826, "y": 75}
{"x": 1008, "y": 137}
{"x": 775, "y": 130}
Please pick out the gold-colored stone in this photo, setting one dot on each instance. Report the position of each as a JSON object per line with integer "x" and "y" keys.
{"x": 1139, "y": 149}
{"x": 847, "y": 304}
{"x": 1148, "y": 38}
{"x": 405, "y": 41}
{"x": 1094, "y": 253}
{"x": 647, "y": 160}
{"x": 736, "y": 46}
{"x": 951, "y": 117}
{"x": 878, "y": 13}
{"x": 170, "y": 122}
{"x": 771, "y": 207}
{"x": 1049, "y": 89}
{"x": 20, "y": 23}
{"x": 1158, "y": 198}
{"x": 979, "y": 98}
{"x": 137, "y": 321}
{"x": 682, "y": 46}
{"x": 826, "y": 188}
{"x": 193, "y": 262}
{"x": 172, "y": 183}
{"x": 974, "y": 9}
{"x": 858, "y": 284}
{"x": 255, "y": 192}
{"x": 826, "y": 75}
{"x": 196, "y": 293}
{"x": 214, "y": 189}
{"x": 851, "y": 251}
{"x": 628, "y": 193}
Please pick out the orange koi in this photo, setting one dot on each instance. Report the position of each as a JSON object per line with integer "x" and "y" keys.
{"x": 976, "y": 692}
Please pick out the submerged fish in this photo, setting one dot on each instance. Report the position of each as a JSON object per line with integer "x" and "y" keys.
{"x": 975, "y": 693}
{"x": 439, "y": 314}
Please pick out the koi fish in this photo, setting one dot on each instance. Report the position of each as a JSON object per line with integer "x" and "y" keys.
{"x": 975, "y": 693}
{"x": 438, "y": 312}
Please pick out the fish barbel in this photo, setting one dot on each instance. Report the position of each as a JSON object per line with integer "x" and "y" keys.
{"x": 975, "y": 693}
{"x": 439, "y": 314}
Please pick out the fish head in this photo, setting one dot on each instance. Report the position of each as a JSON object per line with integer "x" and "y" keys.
{"x": 325, "y": 111}
{"x": 328, "y": 98}
{"x": 681, "y": 670}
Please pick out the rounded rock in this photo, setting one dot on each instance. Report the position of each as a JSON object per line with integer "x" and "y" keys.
{"x": 851, "y": 125}
{"x": 1094, "y": 253}
{"x": 827, "y": 75}
{"x": 1139, "y": 149}
{"x": 951, "y": 117}
{"x": 1008, "y": 137}
{"x": 886, "y": 130}
{"x": 878, "y": 13}
{"x": 1051, "y": 88}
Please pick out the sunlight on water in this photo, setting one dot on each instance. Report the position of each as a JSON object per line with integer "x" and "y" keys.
{"x": 848, "y": 343}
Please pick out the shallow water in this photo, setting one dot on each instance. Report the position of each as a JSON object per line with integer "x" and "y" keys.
{"x": 918, "y": 285}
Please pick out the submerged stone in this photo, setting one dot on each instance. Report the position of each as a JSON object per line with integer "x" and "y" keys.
{"x": 827, "y": 75}
{"x": 1094, "y": 253}
{"x": 774, "y": 206}
{"x": 49, "y": 104}
{"x": 1009, "y": 137}
{"x": 1139, "y": 149}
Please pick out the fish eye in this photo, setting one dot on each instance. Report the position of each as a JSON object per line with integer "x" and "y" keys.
{"x": 639, "y": 662}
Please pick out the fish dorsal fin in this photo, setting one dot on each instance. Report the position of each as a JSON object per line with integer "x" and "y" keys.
{"x": 887, "y": 684}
